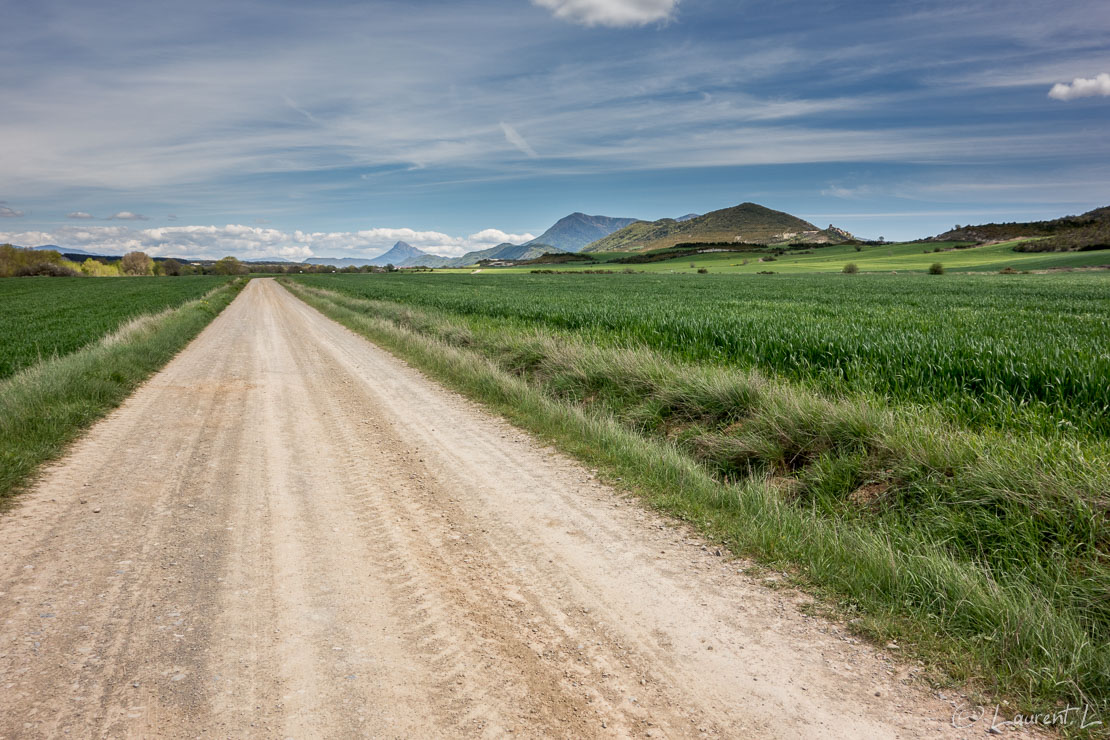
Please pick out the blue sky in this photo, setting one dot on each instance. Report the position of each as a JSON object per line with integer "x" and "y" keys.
{"x": 335, "y": 128}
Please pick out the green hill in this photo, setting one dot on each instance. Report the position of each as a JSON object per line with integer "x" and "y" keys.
{"x": 1086, "y": 232}
{"x": 748, "y": 222}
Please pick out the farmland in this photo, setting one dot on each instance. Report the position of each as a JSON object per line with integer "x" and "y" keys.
{"x": 44, "y": 318}
{"x": 900, "y": 257}
{"x": 996, "y": 351}
{"x": 929, "y": 451}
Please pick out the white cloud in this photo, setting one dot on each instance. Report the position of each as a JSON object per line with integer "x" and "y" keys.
{"x": 610, "y": 12}
{"x": 6, "y": 212}
{"x": 129, "y": 216}
{"x": 513, "y": 137}
{"x": 253, "y": 242}
{"x": 81, "y": 215}
{"x": 1081, "y": 87}
{"x": 493, "y": 237}
{"x": 369, "y": 242}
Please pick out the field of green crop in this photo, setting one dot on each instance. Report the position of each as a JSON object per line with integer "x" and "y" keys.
{"x": 912, "y": 257}
{"x": 46, "y": 317}
{"x": 1011, "y": 352}
{"x": 932, "y": 453}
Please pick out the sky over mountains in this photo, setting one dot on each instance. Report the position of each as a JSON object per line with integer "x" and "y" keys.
{"x": 337, "y": 128}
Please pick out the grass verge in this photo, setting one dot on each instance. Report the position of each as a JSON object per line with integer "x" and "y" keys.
{"x": 983, "y": 554}
{"x": 46, "y": 406}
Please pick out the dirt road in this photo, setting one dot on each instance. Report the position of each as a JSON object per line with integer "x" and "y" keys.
{"x": 290, "y": 533}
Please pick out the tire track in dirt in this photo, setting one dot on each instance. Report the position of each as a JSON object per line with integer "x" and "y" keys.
{"x": 300, "y": 536}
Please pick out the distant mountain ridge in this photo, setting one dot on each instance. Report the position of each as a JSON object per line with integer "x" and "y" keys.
{"x": 399, "y": 254}
{"x": 507, "y": 251}
{"x": 63, "y": 250}
{"x": 572, "y": 233}
{"x": 747, "y": 222}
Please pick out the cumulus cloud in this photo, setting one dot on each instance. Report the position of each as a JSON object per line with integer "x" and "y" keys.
{"x": 1081, "y": 87}
{"x": 254, "y": 242}
{"x": 79, "y": 215}
{"x": 369, "y": 242}
{"x": 6, "y": 212}
{"x": 513, "y": 137}
{"x": 610, "y": 12}
{"x": 129, "y": 216}
{"x": 493, "y": 237}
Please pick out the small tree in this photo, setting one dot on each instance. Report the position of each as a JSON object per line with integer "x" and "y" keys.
{"x": 936, "y": 269}
{"x": 859, "y": 247}
{"x": 229, "y": 266}
{"x": 171, "y": 267}
{"x": 96, "y": 268}
{"x": 850, "y": 269}
{"x": 136, "y": 263}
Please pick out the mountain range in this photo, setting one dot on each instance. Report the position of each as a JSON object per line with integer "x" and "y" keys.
{"x": 571, "y": 233}
{"x": 401, "y": 253}
{"x": 747, "y": 222}
{"x": 56, "y": 248}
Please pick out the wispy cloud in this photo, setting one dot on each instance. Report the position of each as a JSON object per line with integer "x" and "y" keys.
{"x": 293, "y": 105}
{"x": 128, "y": 216}
{"x": 1081, "y": 87}
{"x": 6, "y": 212}
{"x": 286, "y": 122}
{"x": 80, "y": 215}
{"x": 840, "y": 191}
{"x": 513, "y": 137}
{"x": 611, "y": 12}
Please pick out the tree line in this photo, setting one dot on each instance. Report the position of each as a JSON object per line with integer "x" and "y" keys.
{"x": 20, "y": 262}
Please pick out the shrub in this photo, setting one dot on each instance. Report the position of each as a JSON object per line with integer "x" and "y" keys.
{"x": 48, "y": 269}
{"x": 859, "y": 247}
{"x": 936, "y": 269}
{"x": 231, "y": 266}
{"x": 136, "y": 263}
{"x": 702, "y": 271}
{"x": 96, "y": 268}
{"x": 850, "y": 269}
